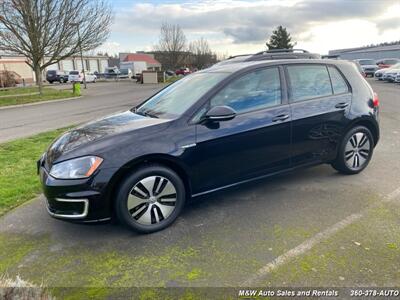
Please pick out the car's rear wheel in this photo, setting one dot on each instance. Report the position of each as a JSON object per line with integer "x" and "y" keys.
{"x": 150, "y": 199}
{"x": 61, "y": 80}
{"x": 355, "y": 151}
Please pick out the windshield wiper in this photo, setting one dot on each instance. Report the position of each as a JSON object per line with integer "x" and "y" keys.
{"x": 146, "y": 113}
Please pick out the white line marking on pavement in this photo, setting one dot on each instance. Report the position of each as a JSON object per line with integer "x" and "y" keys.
{"x": 308, "y": 244}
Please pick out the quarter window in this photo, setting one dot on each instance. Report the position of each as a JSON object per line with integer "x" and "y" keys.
{"x": 308, "y": 81}
{"x": 338, "y": 83}
{"x": 255, "y": 90}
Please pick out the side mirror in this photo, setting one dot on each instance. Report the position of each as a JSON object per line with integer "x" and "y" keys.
{"x": 220, "y": 113}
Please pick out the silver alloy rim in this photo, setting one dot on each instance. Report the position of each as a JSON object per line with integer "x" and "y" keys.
{"x": 152, "y": 200}
{"x": 357, "y": 151}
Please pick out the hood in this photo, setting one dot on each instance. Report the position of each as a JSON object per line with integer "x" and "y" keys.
{"x": 97, "y": 130}
{"x": 390, "y": 70}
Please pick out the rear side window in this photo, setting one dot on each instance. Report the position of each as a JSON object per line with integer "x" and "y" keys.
{"x": 256, "y": 90}
{"x": 308, "y": 82}
{"x": 339, "y": 85}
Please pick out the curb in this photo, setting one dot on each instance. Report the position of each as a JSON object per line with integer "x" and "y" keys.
{"x": 38, "y": 103}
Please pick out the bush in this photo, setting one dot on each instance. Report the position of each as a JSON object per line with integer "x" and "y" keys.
{"x": 7, "y": 79}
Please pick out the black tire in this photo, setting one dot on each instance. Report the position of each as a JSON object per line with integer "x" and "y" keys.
{"x": 125, "y": 215}
{"x": 61, "y": 80}
{"x": 358, "y": 159}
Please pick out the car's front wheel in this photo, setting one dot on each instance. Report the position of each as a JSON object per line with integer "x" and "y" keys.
{"x": 355, "y": 151}
{"x": 150, "y": 199}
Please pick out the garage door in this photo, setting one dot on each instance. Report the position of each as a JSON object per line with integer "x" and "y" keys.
{"x": 67, "y": 65}
{"x": 93, "y": 67}
{"x": 103, "y": 65}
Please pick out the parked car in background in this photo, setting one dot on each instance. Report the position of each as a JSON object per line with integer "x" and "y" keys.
{"x": 56, "y": 76}
{"x": 170, "y": 73}
{"x": 125, "y": 73}
{"x": 397, "y": 79}
{"x": 387, "y": 62}
{"x": 111, "y": 72}
{"x": 183, "y": 71}
{"x": 380, "y": 73}
{"x": 369, "y": 66}
{"x": 391, "y": 73}
{"x": 214, "y": 129}
{"x": 77, "y": 76}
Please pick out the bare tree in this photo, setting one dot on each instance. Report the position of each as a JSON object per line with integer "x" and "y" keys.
{"x": 47, "y": 31}
{"x": 202, "y": 56}
{"x": 171, "y": 47}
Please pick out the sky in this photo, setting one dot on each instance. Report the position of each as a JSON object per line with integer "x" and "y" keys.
{"x": 243, "y": 26}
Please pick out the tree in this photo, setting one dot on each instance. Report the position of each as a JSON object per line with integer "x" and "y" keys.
{"x": 171, "y": 45}
{"x": 201, "y": 53}
{"x": 280, "y": 39}
{"x": 47, "y": 31}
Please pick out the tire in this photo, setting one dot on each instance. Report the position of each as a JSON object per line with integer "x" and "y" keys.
{"x": 61, "y": 80}
{"x": 150, "y": 199}
{"x": 355, "y": 151}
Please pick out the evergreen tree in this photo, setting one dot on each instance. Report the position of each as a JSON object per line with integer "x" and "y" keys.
{"x": 280, "y": 39}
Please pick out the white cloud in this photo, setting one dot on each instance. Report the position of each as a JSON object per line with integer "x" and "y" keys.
{"x": 243, "y": 26}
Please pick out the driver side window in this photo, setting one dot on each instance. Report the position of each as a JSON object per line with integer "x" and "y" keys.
{"x": 256, "y": 90}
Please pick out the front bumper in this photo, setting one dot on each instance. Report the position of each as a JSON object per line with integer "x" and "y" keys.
{"x": 86, "y": 200}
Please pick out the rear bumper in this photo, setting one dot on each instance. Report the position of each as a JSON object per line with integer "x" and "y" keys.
{"x": 79, "y": 199}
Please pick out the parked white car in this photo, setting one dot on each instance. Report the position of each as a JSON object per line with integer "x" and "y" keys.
{"x": 76, "y": 76}
{"x": 391, "y": 74}
{"x": 380, "y": 74}
{"x": 397, "y": 79}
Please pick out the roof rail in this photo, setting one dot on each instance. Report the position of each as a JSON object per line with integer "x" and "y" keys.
{"x": 282, "y": 51}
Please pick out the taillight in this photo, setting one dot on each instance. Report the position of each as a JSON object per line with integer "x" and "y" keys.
{"x": 375, "y": 102}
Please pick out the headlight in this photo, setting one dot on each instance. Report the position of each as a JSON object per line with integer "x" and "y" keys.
{"x": 76, "y": 168}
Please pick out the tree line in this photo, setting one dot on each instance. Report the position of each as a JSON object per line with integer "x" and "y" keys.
{"x": 173, "y": 51}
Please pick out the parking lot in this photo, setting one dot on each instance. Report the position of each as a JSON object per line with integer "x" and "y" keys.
{"x": 249, "y": 235}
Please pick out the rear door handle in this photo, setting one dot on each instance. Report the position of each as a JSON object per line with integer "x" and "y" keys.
{"x": 342, "y": 105}
{"x": 280, "y": 118}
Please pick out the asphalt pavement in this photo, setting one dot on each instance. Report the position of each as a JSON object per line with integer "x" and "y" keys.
{"x": 98, "y": 99}
{"x": 220, "y": 240}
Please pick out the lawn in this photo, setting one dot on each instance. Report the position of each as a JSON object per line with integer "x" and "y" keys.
{"x": 18, "y": 179}
{"x": 18, "y": 90}
{"x": 14, "y": 96}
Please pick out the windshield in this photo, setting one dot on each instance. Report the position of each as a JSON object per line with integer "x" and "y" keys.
{"x": 124, "y": 71}
{"x": 175, "y": 99}
{"x": 396, "y": 66}
{"x": 74, "y": 73}
{"x": 364, "y": 62}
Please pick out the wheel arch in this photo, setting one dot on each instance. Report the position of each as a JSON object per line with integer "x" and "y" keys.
{"x": 369, "y": 123}
{"x": 161, "y": 159}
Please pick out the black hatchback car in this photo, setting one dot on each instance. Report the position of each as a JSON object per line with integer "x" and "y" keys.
{"x": 211, "y": 130}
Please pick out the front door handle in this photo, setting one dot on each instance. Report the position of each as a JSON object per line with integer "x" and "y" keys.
{"x": 342, "y": 105}
{"x": 280, "y": 118}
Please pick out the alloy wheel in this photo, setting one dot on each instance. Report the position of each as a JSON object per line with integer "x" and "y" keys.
{"x": 152, "y": 200}
{"x": 357, "y": 150}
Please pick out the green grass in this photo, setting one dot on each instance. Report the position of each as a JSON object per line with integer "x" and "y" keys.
{"x": 172, "y": 79}
{"x": 48, "y": 94}
{"x": 18, "y": 179}
{"x": 18, "y": 90}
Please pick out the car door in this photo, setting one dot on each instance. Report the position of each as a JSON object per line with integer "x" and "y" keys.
{"x": 255, "y": 142}
{"x": 319, "y": 98}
